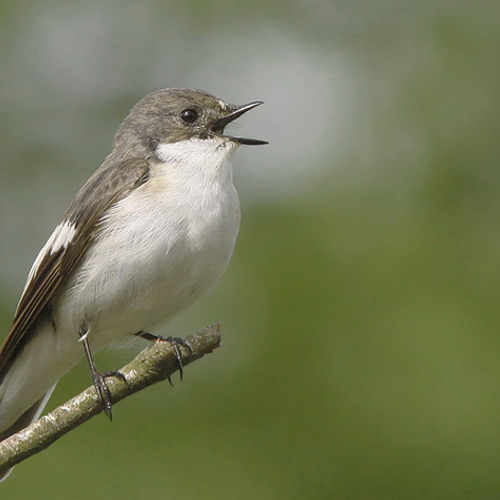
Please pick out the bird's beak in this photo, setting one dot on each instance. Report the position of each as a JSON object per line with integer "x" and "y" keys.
{"x": 218, "y": 126}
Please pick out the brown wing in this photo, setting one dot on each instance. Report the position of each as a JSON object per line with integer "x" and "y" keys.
{"x": 110, "y": 183}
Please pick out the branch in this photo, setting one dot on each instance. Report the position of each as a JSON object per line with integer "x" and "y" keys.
{"x": 154, "y": 364}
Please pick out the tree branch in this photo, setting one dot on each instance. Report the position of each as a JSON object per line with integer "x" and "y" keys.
{"x": 154, "y": 364}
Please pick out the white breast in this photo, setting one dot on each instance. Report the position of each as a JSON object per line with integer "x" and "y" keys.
{"x": 162, "y": 248}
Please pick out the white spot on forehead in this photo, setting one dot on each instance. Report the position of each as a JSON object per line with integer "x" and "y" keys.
{"x": 222, "y": 104}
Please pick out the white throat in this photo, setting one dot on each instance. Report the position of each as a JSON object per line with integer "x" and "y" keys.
{"x": 213, "y": 151}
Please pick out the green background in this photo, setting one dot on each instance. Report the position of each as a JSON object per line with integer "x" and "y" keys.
{"x": 361, "y": 352}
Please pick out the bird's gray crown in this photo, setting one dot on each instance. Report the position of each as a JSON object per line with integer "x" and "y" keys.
{"x": 173, "y": 115}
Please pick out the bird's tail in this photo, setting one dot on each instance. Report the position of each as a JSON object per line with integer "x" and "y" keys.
{"x": 29, "y": 416}
{"x": 26, "y": 386}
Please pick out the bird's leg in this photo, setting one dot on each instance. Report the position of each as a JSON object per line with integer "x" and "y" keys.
{"x": 175, "y": 342}
{"x": 99, "y": 379}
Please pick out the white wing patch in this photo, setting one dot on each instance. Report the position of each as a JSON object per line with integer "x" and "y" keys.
{"x": 61, "y": 237}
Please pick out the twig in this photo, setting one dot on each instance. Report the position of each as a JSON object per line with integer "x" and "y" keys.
{"x": 152, "y": 365}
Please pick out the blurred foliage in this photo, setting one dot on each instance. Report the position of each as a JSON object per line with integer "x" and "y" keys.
{"x": 360, "y": 350}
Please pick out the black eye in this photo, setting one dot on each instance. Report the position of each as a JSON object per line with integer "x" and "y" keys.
{"x": 189, "y": 115}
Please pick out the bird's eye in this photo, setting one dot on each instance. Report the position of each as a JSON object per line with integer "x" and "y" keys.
{"x": 189, "y": 115}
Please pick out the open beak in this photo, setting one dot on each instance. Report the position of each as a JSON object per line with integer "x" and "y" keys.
{"x": 218, "y": 126}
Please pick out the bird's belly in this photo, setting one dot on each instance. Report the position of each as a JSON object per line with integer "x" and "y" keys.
{"x": 153, "y": 269}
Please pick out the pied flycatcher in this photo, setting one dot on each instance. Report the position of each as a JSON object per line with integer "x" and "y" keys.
{"x": 149, "y": 234}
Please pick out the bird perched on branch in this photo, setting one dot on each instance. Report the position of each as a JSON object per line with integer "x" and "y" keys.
{"x": 149, "y": 234}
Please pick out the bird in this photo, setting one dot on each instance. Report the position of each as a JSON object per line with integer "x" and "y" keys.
{"x": 149, "y": 234}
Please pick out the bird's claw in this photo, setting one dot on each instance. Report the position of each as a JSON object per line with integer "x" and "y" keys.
{"x": 102, "y": 389}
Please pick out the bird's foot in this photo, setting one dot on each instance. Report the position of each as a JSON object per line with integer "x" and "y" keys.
{"x": 175, "y": 342}
{"x": 102, "y": 388}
